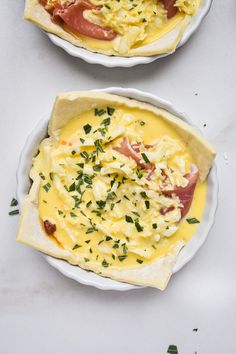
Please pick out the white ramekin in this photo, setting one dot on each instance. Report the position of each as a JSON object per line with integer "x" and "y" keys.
{"x": 90, "y": 278}
{"x": 113, "y": 61}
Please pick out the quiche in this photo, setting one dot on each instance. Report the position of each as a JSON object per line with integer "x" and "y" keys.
{"x": 118, "y": 187}
{"x": 121, "y": 28}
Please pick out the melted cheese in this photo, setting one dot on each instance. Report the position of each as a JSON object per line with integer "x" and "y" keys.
{"x": 114, "y": 240}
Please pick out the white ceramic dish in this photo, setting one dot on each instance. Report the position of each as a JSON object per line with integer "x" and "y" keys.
{"x": 113, "y": 61}
{"x": 90, "y": 278}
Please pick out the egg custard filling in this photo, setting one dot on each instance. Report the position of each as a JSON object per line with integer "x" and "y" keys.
{"x": 115, "y": 27}
{"x": 118, "y": 188}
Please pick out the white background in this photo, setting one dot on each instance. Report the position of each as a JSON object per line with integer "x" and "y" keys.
{"x": 43, "y": 312}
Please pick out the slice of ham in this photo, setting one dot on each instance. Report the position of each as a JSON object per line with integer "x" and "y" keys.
{"x": 185, "y": 194}
{"x": 126, "y": 149}
{"x": 73, "y": 17}
{"x": 170, "y": 8}
{"x": 131, "y": 151}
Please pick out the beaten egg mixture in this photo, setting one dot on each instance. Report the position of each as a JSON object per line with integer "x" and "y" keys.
{"x": 104, "y": 205}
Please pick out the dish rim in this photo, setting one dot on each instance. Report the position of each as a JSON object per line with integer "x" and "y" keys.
{"x": 90, "y": 278}
{"x": 127, "y": 62}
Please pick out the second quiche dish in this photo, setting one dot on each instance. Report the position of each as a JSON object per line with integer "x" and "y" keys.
{"x": 119, "y": 187}
{"x": 112, "y": 27}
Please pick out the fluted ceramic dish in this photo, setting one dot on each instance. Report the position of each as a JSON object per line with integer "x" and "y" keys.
{"x": 90, "y": 278}
{"x": 116, "y": 61}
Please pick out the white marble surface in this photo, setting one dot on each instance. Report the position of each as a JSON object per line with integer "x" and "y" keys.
{"x": 43, "y": 312}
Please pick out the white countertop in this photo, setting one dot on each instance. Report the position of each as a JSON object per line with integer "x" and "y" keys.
{"x": 41, "y": 311}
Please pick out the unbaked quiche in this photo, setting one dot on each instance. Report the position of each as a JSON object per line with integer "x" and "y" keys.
{"x": 119, "y": 187}
{"x": 122, "y": 28}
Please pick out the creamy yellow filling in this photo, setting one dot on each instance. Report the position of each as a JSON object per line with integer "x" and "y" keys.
{"x": 152, "y": 34}
{"x": 78, "y": 228}
{"x": 137, "y": 25}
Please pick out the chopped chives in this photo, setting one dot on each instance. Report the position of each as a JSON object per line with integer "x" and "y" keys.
{"x": 139, "y": 261}
{"x": 128, "y": 219}
{"x": 14, "y": 202}
{"x": 193, "y": 221}
{"x": 87, "y": 128}
{"x": 14, "y": 212}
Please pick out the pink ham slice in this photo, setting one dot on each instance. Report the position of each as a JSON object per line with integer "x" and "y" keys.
{"x": 185, "y": 194}
{"x": 131, "y": 151}
{"x": 170, "y": 8}
{"x": 73, "y": 17}
{"x": 126, "y": 149}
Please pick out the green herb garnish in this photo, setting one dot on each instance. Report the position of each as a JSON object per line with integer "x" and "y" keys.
{"x": 72, "y": 187}
{"x": 87, "y": 128}
{"x": 172, "y": 349}
{"x": 88, "y": 204}
{"x": 46, "y": 187}
{"x": 145, "y": 157}
{"x": 135, "y": 213}
{"x": 108, "y": 238}
{"x": 193, "y": 221}
{"x": 101, "y": 204}
{"x": 41, "y": 175}
{"x": 138, "y": 226}
{"x": 105, "y": 264}
{"x": 97, "y": 168}
{"x": 76, "y": 246}
{"x": 139, "y": 261}
{"x": 99, "y": 112}
{"x": 125, "y": 249}
{"x": 143, "y": 194}
{"x": 98, "y": 146}
{"x": 111, "y": 195}
{"x": 122, "y": 258}
{"x": 106, "y": 121}
{"x": 139, "y": 173}
{"x": 14, "y": 212}
{"x": 85, "y": 155}
{"x": 129, "y": 219}
{"x": 88, "y": 180}
{"x": 14, "y": 202}
{"x": 110, "y": 110}
{"x": 80, "y": 165}
{"x": 90, "y": 230}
